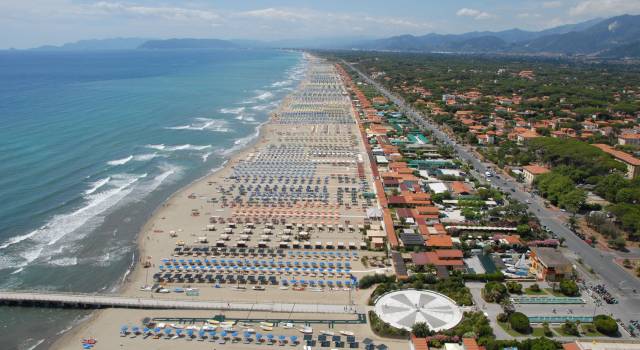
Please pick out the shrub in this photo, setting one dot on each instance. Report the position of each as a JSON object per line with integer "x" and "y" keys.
{"x": 547, "y": 331}
{"x": 514, "y": 287}
{"x": 369, "y": 280}
{"x": 503, "y": 317}
{"x": 384, "y": 329}
{"x": 569, "y": 288}
{"x": 570, "y": 328}
{"x": 534, "y": 287}
{"x": 494, "y": 292}
{"x": 519, "y": 322}
{"x": 421, "y": 330}
{"x": 606, "y": 325}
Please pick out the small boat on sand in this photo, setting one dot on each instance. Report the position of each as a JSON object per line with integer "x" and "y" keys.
{"x": 306, "y": 330}
{"x": 287, "y": 325}
{"x": 266, "y": 328}
{"x": 347, "y": 333}
{"x": 329, "y": 333}
{"x": 267, "y": 324}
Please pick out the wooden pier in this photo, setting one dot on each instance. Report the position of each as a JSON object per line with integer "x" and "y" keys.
{"x": 99, "y": 301}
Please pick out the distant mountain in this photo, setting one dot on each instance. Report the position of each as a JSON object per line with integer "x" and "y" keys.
{"x": 605, "y": 35}
{"x": 187, "y": 44}
{"x": 594, "y": 37}
{"x": 96, "y": 44}
{"x": 622, "y": 51}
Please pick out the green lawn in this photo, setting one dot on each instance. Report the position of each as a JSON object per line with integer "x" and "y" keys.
{"x": 531, "y": 292}
{"x": 561, "y": 332}
{"x": 555, "y": 294}
{"x": 539, "y": 332}
{"x": 590, "y": 331}
{"x": 511, "y": 332}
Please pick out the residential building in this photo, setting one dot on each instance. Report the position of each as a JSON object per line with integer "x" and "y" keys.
{"x": 632, "y": 163}
{"x": 532, "y": 171}
{"x": 549, "y": 264}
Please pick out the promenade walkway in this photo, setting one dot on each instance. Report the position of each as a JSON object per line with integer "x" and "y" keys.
{"x": 112, "y": 301}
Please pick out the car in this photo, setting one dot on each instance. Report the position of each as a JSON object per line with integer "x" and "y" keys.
{"x": 513, "y": 190}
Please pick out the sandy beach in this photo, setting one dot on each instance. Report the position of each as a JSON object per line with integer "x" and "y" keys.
{"x": 281, "y": 222}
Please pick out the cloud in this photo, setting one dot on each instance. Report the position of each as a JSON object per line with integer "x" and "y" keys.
{"x": 552, "y": 4}
{"x": 604, "y": 7}
{"x": 473, "y": 13}
{"x": 276, "y": 14}
{"x": 170, "y": 13}
{"x": 528, "y": 15}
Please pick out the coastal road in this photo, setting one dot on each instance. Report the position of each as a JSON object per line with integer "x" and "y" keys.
{"x": 618, "y": 281}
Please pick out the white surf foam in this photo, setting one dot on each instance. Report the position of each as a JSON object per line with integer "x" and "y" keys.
{"x": 145, "y": 157}
{"x": 264, "y": 96}
{"x": 64, "y": 261}
{"x": 206, "y": 156}
{"x": 266, "y": 106}
{"x": 187, "y": 147}
{"x": 97, "y": 185}
{"x": 202, "y": 124}
{"x": 62, "y": 225}
{"x": 120, "y": 161}
{"x": 238, "y": 110}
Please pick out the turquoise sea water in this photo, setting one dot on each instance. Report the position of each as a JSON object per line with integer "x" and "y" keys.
{"x": 92, "y": 142}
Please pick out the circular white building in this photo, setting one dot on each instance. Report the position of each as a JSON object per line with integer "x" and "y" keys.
{"x": 404, "y": 308}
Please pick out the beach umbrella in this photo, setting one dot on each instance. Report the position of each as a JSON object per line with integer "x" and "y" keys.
{"x": 201, "y": 333}
{"x": 167, "y": 331}
{"x": 270, "y": 336}
{"x": 258, "y": 336}
{"x": 190, "y": 333}
{"x": 223, "y": 334}
{"x": 246, "y": 334}
{"x": 294, "y": 339}
{"x": 157, "y": 330}
{"x": 124, "y": 329}
{"x": 178, "y": 332}
{"x": 135, "y": 330}
{"x": 212, "y": 334}
{"x": 145, "y": 330}
{"x": 234, "y": 334}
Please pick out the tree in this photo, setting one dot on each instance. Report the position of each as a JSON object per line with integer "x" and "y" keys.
{"x": 534, "y": 287}
{"x": 421, "y": 330}
{"x": 570, "y": 328}
{"x": 494, "y": 292}
{"x": 514, "y": 287}
{"x": 569, "y": 288}
{"x": 606, "y": 324}
{"x": 519, "y": 322}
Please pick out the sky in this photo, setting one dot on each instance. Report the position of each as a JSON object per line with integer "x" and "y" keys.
{"x": 30, "y": 23}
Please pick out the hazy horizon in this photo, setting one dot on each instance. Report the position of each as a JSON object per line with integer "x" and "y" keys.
{"x": 55, "y": 22}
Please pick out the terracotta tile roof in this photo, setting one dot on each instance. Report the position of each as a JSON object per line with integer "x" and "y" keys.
{"x": 439, "y": 241}
{"x": 460, "y": 187}
{"x": 625, "y": 157}
{"x": 419, "y": 343}
{"x": 535, "y": 169}
{"x": 470, "y": 344}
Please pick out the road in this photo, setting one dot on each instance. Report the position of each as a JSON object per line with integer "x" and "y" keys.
{"x": 613, "y": 276}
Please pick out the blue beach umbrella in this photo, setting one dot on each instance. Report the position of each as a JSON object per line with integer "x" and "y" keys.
{"x": 124, "y": 329}
{"x": 212, "y": 334}
{"x": 135, "y": 329}
{"x": 157, "y": 330}
{"x": 223, "y": 334}
{"x": 145, "y": 330}
{"x": 270, "y": 336}
{"x": 190, "y": 332}
{"x": 167, "y": 331}
{"x": 282, "y": 337}
{"x": 234, "y": 334}
{"x": 178, "y": 332}
{"x": 201, "y": 333}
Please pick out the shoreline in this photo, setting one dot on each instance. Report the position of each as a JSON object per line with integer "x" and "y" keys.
{"x": 126, "y": 282}
{"x": 312, "y": 139}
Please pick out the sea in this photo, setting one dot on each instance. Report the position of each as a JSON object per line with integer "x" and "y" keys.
{"x": 91, "y": 143}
